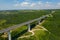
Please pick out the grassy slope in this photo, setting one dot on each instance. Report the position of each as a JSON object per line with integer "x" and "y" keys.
{"x": 53, "y": 25}
{"x": 39, "y": 35}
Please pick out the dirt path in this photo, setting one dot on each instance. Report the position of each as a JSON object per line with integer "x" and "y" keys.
{"x": 32, "y": 31}
{"x": 35, "y": 29}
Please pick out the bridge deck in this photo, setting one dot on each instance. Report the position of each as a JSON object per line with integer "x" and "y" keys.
{"x": 19, "y": 25}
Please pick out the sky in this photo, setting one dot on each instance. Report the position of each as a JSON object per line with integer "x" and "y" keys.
{"x": 29, "y": 4}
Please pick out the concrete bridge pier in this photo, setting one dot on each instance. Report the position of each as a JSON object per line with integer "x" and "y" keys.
{"x": 9, "y": 35}
{"x": 29, "y": 27}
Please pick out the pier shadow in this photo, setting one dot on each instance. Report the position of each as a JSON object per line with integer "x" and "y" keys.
{"x": 32, "y": 26}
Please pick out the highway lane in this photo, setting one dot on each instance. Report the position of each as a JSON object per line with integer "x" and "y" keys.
{"x": 19, "y": 25}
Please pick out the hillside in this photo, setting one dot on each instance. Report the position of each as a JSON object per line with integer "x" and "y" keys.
{"x": 48, "y": 29}
{"x": 53, "y": 25}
